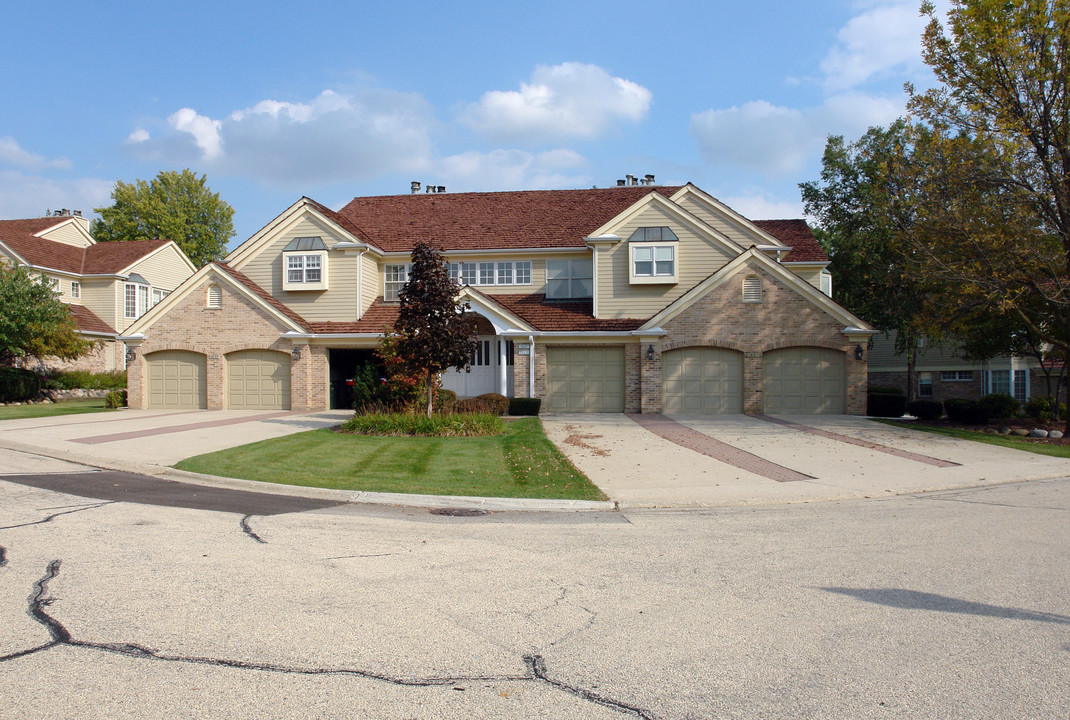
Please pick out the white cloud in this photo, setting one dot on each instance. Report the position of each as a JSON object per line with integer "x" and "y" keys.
{"x": 23, "y": 195}
{"x": 570, "y": 100}
{"x": 762, "y": 206}
{"x": 883, "y": 39}
{"x": 513, "y": 170}
{"x": 13, "y": 155}
{"x": 337, "y": 136}
{"x": 777, "y": 140}
{"x": 139, "y": 135}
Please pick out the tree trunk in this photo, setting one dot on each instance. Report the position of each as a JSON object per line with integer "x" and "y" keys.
{"x": 430, "y": 393}
{"x": 912, "y": 374}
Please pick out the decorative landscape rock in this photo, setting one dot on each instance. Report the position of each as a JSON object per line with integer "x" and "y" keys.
{"x": 1020, "y": 432}
{"x": 1005, "y": 431}
{"x": 1055, "y": 434}
{"x": 1038, "y": 433}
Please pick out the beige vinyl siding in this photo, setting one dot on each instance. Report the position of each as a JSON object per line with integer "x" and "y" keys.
{"x": 733, "y": 229}
{"x": 696, "y": 258}
{"x": 68, "y": 235}
{"x": 102, "y": 298}
{"x": 371, "y": 278}
{"x": 811, "y": 275}
{"x": 338, "y": 303}
{"x": 933, "y": 356}
{"x": 165, "y": 269}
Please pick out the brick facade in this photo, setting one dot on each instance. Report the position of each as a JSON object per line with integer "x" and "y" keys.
{"x": 216, "y": 331}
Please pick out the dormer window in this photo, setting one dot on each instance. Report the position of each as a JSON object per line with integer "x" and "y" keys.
{"x": 135, "y": 297}
{"x": 305, "y": 264}
{"x": 653, "y": 255}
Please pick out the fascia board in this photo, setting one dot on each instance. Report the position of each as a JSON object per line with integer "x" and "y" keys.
{"x": 718, "y": 206}
{"x": 685, "y": 217}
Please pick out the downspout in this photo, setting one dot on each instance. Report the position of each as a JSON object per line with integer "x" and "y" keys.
{"x": 360, "y": 283}
{"x": 531, "y": 367}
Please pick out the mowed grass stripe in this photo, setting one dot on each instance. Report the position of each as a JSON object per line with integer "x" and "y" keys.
{"x": 521, "y": 463}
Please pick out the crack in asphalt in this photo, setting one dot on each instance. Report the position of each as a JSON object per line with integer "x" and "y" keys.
{"x": 536, "y": 665}
{"x": 56, "y": 515}
{"x": 949, "y": 498}
{"x": 249, "y": 531}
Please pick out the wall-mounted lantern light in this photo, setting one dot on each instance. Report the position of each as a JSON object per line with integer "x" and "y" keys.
{"x": 650, "y": 353}
{"x": 858, "y": 352}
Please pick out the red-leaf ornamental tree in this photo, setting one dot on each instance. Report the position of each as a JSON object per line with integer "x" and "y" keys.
{"x": 433, "y": 333}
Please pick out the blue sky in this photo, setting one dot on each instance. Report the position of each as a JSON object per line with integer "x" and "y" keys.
{"x": 333, "y": 100}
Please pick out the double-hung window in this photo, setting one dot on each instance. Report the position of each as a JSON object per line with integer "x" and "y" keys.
{"x": 305, "y": 264}
{"x": 130, "y": 301}
{"x": 491, "y": 273}
{"x": 135, "y": 297}
{"x": 394, "y": 279}
{"x": 653, "y": 255}
{"x": 567, "y": 279}
{"x": 76, "y": 289}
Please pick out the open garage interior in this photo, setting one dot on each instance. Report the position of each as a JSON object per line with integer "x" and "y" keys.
{"x": 258, "y": 380}
{"x": 702, "y": 381}
{"x": 804, "y": 380}
{"x": 585, "y": 379}
{"x": 177, "y": 380}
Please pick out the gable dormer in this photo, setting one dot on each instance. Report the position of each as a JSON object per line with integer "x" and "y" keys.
{"x": 73, "y": 231}
{"x": 304, "y": 264}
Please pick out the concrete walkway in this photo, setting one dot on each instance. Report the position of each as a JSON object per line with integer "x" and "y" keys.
{"x": 832, "y": 457}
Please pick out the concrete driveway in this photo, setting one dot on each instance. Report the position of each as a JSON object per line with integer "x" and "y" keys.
{"x": 737, "y": 459}
{"x": 150, "y": 440}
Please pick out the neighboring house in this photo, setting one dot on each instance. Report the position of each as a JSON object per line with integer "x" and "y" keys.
{"x": 640, "y": 298}
{"x": 943, "y": 374}
{"x": 107, "y": 285}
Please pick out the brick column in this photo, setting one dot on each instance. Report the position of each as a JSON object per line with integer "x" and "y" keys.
{"x": 649, "y": 376}
{"x": 539, "y": 358}
{"x": 135, "y": 379}
{"x": 857, "y": 376}
{"x": 753, "y": 401}
{"x": 521, "y": 365}
{"x": 216, "y": 389}
{"x": 318, "y": 379}
{"x": 299, "y": 361}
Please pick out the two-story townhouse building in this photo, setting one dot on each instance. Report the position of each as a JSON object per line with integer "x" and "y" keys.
{"x": 107, "y": 286}
{"x": 640, "y": 298}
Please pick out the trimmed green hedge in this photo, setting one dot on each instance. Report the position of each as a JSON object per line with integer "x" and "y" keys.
{"x": 525, "y": 406}
{"x": 1000, "y": 405}
{"x": 17, "y": 384}
{"x": 85, "y": 380}
{"x": 926, "y": 409}
{"x": 969, "y": 412}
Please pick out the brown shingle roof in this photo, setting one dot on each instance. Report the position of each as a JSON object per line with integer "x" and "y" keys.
{"x": 101, "y": 258}
{"x": 797, "y": 234}
{"x": 378, "y": 316}
{"x": 264, "y": 295}
{"x": 87, "y": 321}
{"x": 561, "y": 315}
{"x": 491, "y": 220}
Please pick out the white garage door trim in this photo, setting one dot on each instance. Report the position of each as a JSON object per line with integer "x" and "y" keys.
{"x": 804, "y": 380}
{"x": 585, "y": 379}
{"x": 702, "y": 381}
{"x": 176, "y": 380}
{"x": 258, "y": 380}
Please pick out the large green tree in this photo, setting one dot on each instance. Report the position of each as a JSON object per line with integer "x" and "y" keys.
{"x": 865, "y": 204}
{"x": 33, "y": 321}
{"x": 175, "y": 206}
{"x": 996, "y": 223}
{"x": 432, "y": 332}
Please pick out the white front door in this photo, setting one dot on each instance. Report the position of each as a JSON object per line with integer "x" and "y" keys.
{"x": 483, "y": 375}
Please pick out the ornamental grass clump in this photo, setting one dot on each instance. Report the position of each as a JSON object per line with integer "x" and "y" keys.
{"x": 414, "y": 425}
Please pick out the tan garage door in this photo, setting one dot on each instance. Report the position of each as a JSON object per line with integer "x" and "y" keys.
{"x": 804, "y": 380}
{"x": 178, "y": 380}
{"x": 702, "y": 381}
{"x": 585, "y": 379}
{"x": 258, "y": 380}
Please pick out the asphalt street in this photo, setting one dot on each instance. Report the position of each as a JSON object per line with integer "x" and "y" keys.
{"x": 945, "y": 605}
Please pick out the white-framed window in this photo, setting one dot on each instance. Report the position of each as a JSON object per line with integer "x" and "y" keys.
{"x": 506, "y": 272}
{"x": 394, "y": 278}
{"x": 569, "y": 279}
{"x": 130, "y": 300}
{"x": 52, "y": 283}
{"x": 1021, "y": 385}
{"x": 142, "y": 299}
{"x": 305, "y": 271}
{"x": 752, "y": 289}
{"x": 215, "y": 296}
{"x": 956, "y": 376}
{"x": 652, "y": 263}
{"x": 1004, "y": 383}
{"x": 925, "y": 384}
{"x": 158, "y": 295}
{"x": 826, "y": 282}
{"x": 76, "y": 289}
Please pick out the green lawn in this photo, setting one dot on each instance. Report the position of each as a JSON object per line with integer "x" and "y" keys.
{"x": 65, "y": 407}
{"x": 1009, "y": 441}
{"x": 520, "y": 463}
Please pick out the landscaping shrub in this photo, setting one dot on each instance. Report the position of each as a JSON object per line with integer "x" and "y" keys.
{"x": 878, "y": 390}
{"x": 1000, "y": 405}
{"x": 926, "y": 409}
{"x": 525, "y": 406}
{"x": 445, "y": 400}
{"x": 85, "y": 380}
{"x": 474, "y": 405}
{"x": 416, "y": 425}
{"x": 17, "y": 384}
{"x": 499, "y": 404}
{"x": 970, "y": 412}
{"x": 115, "y": 399}
{"x": 885, "y": 402}
{"x": 1040, "y": 409}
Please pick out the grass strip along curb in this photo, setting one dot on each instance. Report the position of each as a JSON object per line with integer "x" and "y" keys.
{"x": 520, "y": 463}
{"x": 1062, "y": 451}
